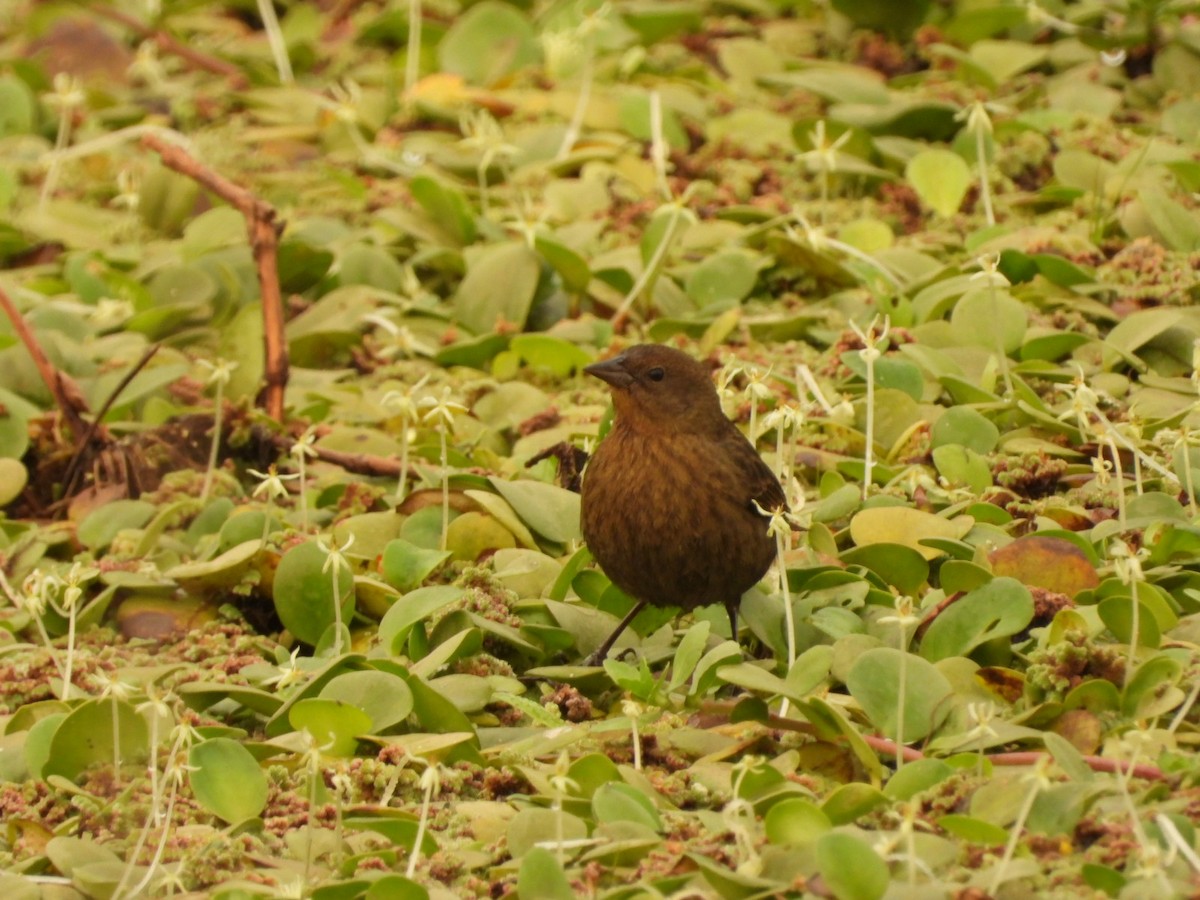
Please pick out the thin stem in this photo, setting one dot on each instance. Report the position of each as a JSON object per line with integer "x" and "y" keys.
{"x": 445, "y": 488}
{"x": 402, "y": 483}
{"x": 215, "y": 447}
{"x": 658, "y": 144}
{"x": 1018, "y": 827}
{"x": 985, "y": 190}
{"x": 869, "y": 453}
{"x": 789, "y": 616}
{"x": 412, "y": 59}
{"x": 651, "y": 268}
{"x": 283, "y": 65}
{"x": 69, "y": 665}
{"x": 581, "y": 104}
{"x": 901, "y": 689}
{"x": 1120, "y": 475}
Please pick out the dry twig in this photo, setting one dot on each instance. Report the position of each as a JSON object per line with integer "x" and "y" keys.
{"x": 263, "y": 231}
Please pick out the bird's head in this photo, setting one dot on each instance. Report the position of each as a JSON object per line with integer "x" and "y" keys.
{"x": 661, "y": 388}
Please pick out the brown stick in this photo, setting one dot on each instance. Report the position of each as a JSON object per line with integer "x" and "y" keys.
{"x": 357, "y": 463}
{"x": 263, "y": 232}
{"x": 67, "y": 394}
{"x": 171, "y": 44}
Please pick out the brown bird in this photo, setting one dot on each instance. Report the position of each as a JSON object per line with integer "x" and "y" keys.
{"x": 668, "y": 496}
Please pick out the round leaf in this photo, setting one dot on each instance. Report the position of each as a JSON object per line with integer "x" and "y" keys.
{"x": 334, "y": 725}
{"x": 964, "y": 426}
{"x": 904, "y": 525}
{"x": 795, "y": 821}
{"x": 541, "y": 877}
{"x": 850, "y": 868}
{"x": 722, "y": 278}
{"x": 87, "y": 736}
{"x": 13, "y": 478}
{"x": 487, "y": 42}
{"x": 940, "y": 178}
{"x": 1045, "y": 561}
{"x": 405, "y": 565}
{"x": 384, "y": 697}
{"x": 303, "y": 592}
{"x": 227, "y": 780}
{"x": 992, "y": 319}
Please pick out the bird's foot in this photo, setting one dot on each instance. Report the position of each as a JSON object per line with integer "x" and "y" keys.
{"x": 596, "y": 659}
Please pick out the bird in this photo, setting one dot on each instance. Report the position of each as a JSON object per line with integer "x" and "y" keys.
{"x": 668, "y": 506}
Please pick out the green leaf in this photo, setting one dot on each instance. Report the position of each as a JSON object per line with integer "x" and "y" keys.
{"x": 571, "y": 267}
{"x": 412, "y": 608}
{"x": 447, "y": 206}
{"x": 393, "y": 887}
{"x": 1152, "y": 690}
{"x": 940, "y": 178}
{"x": 874, "y": 681}
{"x": 961, "y": 466}
{"x": 897, "y": 374}
{"x": 850, "y": 868}
{"x": 1175, "y": 226}
{"x": 1118, "y": 614}
{"x": 13, "y": 479}
{"x": 899, "y": 18}
{"x": 917, "y": 776}
{"x": 795, "y": 821}
{"x": 103, "y": 523}
{"x": 334, "y": 725}
{"x": 18, "y": 106}
{"x": 726, "y": 277}
{"x": 87, "y": 736}
{"x": 966, "y": 427}
{"x": 541, "y": 877}
{"x": 898, "y": 565}
{"x": 14, "y": 433}
{"x": 619, "y": 802}
{"x": 847, "y": 802}
{"x": 227, "y": 780}
{"x": 552, "y": 355}
{"x": 1002, "y": 60}
{"x": 992, "y": 319}
{"x": 551, "y": 511}
{"x": 303, "y": 592}
{"x": 972, "y": 829}
{"x": 689, "y": 653}
{"x": 405, "y": 566}
{"x": 372, "y": 266}
{"x": 1000, "y": 608}
{"x": 385, "y": 698}
{"x": 499, "y": 287}
{"x": 487, "y": 42}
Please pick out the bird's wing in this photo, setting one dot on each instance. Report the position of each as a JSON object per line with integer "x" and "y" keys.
{"x": 753, "y": 478}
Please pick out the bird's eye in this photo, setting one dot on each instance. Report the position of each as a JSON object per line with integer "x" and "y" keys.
{"x": 657, "y": 373}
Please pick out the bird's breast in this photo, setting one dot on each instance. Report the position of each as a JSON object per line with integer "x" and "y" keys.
{"x": 669, "y": 520}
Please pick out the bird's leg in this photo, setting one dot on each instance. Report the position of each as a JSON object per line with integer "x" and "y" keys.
{"x": 732, "y": 609}
{"x": 597, "y": 658}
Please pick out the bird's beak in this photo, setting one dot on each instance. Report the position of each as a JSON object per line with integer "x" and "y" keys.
{"x": 612, "y": 371}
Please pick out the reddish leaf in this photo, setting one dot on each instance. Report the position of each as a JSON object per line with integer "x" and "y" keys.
{"x": 1050, "y": 562}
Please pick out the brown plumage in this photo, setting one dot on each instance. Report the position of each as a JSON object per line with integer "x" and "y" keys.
{"x": 668, "y": 496}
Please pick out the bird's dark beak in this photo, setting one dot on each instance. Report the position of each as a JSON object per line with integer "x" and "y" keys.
{"x": 612, "y": 371}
